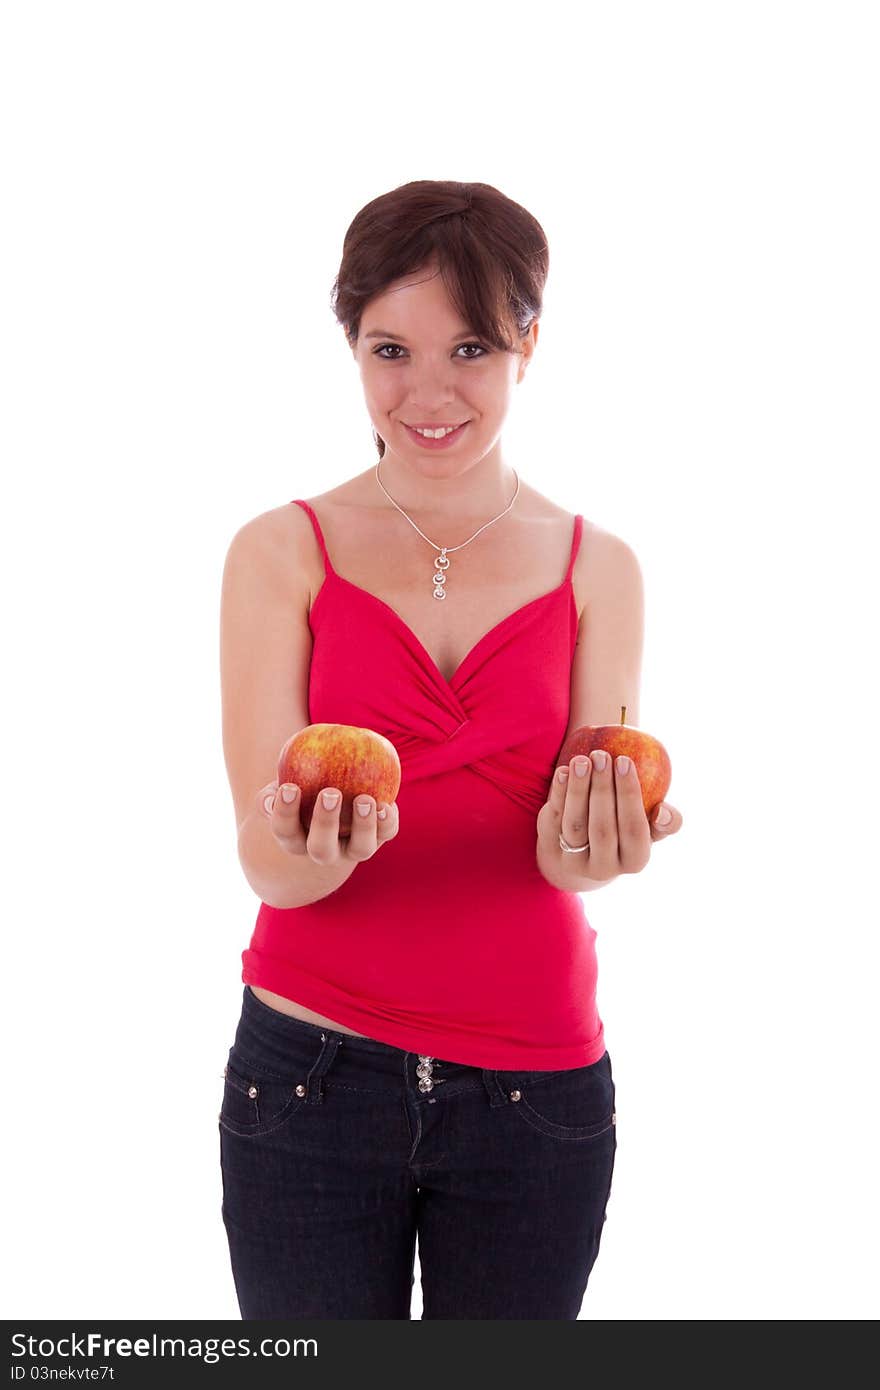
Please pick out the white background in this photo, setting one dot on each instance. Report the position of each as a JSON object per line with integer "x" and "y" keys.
{"x": 178, "y": 179}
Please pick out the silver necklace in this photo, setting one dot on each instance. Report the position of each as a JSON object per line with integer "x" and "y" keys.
{"x": 441, "y": 561}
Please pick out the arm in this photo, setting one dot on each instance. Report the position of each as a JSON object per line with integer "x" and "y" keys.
{"x": 265, "y": 653}
{"x": 605, "y": 674}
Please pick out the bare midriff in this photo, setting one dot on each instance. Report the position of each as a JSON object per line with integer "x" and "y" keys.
{"x": 289, "y": 1006}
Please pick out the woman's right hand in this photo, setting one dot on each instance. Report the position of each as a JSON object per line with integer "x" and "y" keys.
{"x": 322, "y": 844}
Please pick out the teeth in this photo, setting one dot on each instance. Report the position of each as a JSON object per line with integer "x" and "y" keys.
{"x": 437, "y": 434}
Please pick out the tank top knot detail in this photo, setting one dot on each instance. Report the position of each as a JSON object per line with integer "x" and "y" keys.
{"x": 503, "y": 713}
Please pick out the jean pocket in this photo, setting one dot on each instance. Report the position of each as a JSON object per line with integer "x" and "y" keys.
{"x": 574, "y": 1104}
{"x": 254, "y": 1102}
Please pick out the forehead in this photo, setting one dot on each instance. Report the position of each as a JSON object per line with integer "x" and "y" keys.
{"x": 411, "y": 299}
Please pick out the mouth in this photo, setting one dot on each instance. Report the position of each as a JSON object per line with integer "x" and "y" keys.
{"x": 431, "y": 443}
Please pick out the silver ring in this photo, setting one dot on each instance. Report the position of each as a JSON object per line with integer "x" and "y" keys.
{"x": 571, "y": 849}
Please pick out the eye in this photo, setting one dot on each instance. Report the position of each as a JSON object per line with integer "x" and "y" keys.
{"x": 381, "y": 349}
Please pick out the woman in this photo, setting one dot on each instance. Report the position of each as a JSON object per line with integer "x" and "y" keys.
{"x": 419, "y": 1052}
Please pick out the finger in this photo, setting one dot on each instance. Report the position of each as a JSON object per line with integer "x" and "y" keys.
{"x": 577, "y": 797}
{"x": 602, "y": 818}
{"x": 285, "y": 819}
{"x": 549, "y": 821}
{"x": 380, "y": 824}
{"x": 362, "y": 841}
{"x": 633, "y": 831}
{"x": 323, "y": 838}
{"x": 387, "y": 821}
{"x": 265, "y": 798}
{"x": 556, "y": 794}
{"x": 660, "y": 832}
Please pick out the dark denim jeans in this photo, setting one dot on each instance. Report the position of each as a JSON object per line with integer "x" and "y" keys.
{"x": 338, "y": 1152}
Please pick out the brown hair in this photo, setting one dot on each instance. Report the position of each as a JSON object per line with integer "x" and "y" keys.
{"x": 491, "y": 253}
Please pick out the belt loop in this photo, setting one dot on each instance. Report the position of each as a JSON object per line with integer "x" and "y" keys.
{"x": 314, "y": 1080}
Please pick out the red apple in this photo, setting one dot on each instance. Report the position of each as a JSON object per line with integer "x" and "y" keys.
{"x": 339, "y": 755}
{"x": 648, "y": 754}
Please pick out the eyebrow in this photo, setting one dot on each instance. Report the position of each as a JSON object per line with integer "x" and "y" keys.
{"x": 380, "y": 333}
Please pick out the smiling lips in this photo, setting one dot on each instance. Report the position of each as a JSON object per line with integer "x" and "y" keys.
{"x": 434, "y": 424}
{"x": 430, "y": 442}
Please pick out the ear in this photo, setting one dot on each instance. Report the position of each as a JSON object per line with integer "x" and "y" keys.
{"x": 528, "y": 343}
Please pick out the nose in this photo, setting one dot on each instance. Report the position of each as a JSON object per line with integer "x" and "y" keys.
{"x": 432, "y": 388}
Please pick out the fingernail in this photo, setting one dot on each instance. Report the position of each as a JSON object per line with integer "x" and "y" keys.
{"x": 623, "y": 765}
{"x": 363, "y": 808}
{"x": 599, "y": 760}
{"x": 329, "y": 799}
{"x": 288, "y": 793}
{"x": 664, "y": 815}
{"x": 382, "y": 812}
{"x": 269, "y": 803}
{"x": 562, "y": 774}
{"x": 580, "y": 767}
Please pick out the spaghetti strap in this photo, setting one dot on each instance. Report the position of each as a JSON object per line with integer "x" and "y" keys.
{"x": 575, "y": 546}
{"x": 328, "y": 568}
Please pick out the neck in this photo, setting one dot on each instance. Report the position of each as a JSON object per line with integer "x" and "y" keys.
{"x": 480, "y": 490}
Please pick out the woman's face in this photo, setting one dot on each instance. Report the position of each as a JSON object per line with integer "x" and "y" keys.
{"x": 421, "y": 365}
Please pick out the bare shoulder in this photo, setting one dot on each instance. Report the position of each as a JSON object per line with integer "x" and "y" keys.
{"x": 282, "y": 538}
{"x": 600, "y": 554}
{"x": 277, "y": 526}
{"x": 285, "y": 536}
{"x": 601, "y": 558}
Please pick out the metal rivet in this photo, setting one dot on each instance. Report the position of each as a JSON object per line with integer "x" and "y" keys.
{"x": 300, "y": 1090}
{"x": 252, "y": 1092}
{"x": 323, "y": 1037}
{"x": 515, "y": 1095}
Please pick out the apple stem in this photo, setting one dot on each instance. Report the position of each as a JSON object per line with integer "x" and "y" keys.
{"x": 623, "y": 714}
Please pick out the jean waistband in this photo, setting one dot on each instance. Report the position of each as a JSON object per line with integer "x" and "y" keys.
{"x": 285, "y": 1025}
{"x": 277, "y": 1044}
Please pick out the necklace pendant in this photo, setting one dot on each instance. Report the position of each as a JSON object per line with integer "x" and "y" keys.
{"x": 442, "y": 564}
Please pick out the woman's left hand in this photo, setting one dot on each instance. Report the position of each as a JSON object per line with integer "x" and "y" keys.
{"x": 603, "y": 808}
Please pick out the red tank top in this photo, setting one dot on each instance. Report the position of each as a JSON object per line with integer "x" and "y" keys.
{"x": 448, "y": 941}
